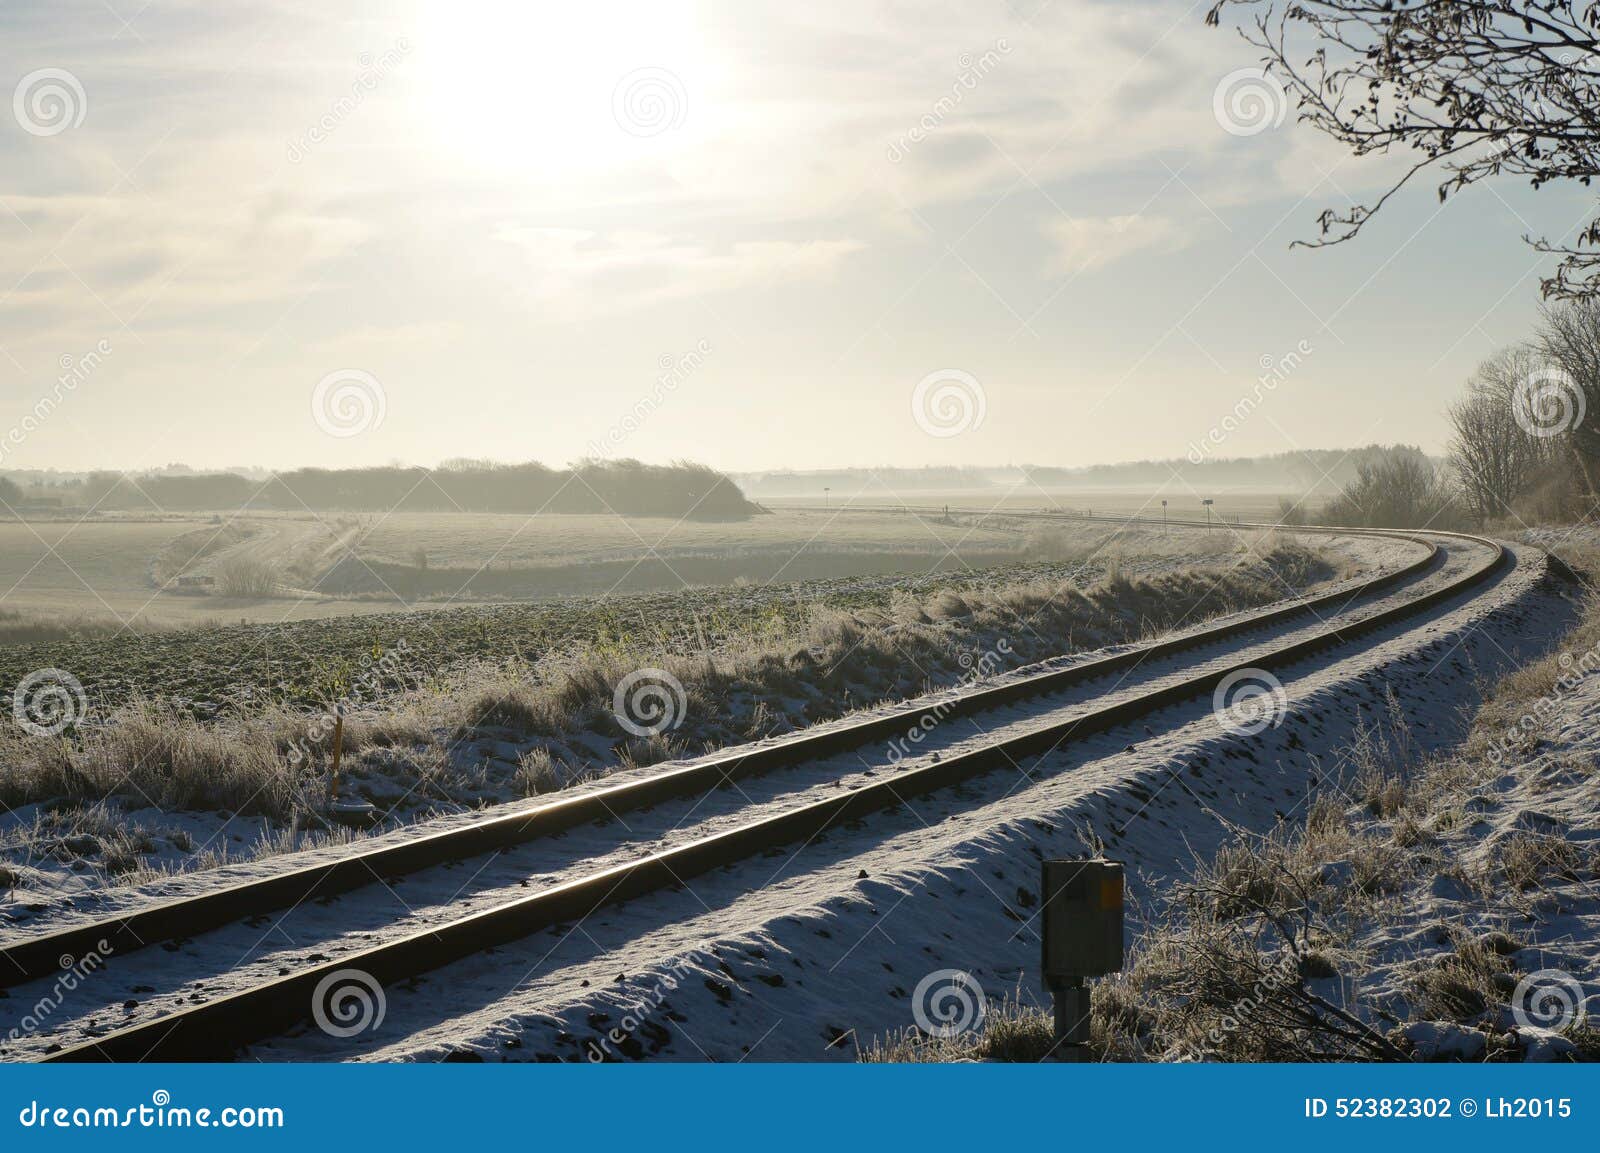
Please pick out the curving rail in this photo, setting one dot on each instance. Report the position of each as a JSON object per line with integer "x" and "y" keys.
{"x": 220, "y": 1026}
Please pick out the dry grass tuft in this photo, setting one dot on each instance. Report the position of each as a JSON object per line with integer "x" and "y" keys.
{"x": 1010, "y": 1031}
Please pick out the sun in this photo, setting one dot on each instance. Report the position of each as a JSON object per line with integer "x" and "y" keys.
{"x": 557, "y": 91}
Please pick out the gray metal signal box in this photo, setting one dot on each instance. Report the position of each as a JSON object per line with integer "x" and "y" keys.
{"x": 1082, "y": 939}
{"x": 1082, "y": 920}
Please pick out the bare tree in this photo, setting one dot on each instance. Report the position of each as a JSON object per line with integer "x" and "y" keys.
{"x": 1569, "y": 338}
{"x": 1402, "y": 490}
{"x": 1478, "y": 88}
{"x": 1494, "y": 457}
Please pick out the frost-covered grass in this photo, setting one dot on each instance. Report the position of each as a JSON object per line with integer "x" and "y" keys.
{"x": 1429, "y": 908}
{"x": 1012, "y": 1030}
{"x": 487, "y": 733}
{"x": 1409, "y": 924}
{"x": 1401, "y": 921}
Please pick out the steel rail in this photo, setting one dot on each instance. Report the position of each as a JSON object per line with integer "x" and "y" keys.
{"x": 219, "y": 1028}
{"x": 35, "y": 957}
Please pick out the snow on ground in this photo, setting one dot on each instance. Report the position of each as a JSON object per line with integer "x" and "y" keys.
{"x": 810, "y": 953}
{"x": 1583, "y": 535}
{"x": 61, "y": 871}
{"x": 1546, "y": 933}
{"x": 822, "y": 948}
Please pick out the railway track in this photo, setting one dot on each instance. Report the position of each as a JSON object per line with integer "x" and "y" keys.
{"x": 219, "y": 1026}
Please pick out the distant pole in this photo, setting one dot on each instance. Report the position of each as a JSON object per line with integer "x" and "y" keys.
{"x": 1208, "y": 502}
{"x": 1163, "y": 518}
{"x": 825, "y": 491}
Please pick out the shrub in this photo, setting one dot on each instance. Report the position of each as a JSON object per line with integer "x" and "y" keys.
{"x": 1402, "y": 490}
{"x": 243, "y": 576}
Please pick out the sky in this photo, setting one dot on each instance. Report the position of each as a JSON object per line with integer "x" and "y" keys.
{"x": 753, "y": 234}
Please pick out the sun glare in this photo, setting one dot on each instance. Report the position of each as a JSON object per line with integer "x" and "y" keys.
{"x": 559, "y": 91}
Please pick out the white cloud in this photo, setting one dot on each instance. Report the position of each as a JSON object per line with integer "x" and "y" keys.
{"x": 1084, "y": 244}
{"x": 620, "y": 270}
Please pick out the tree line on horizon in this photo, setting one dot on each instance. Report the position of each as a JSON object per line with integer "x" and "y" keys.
{"x": 629, "y": 487}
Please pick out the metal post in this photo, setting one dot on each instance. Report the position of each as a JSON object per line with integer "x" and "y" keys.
{"x": 1072, "y": 1021}
{"x": 338, "y": 750}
